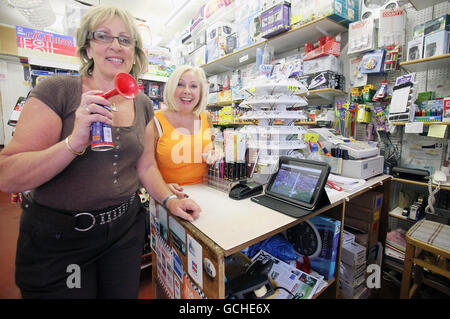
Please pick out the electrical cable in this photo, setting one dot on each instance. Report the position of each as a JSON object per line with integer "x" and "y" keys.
{"x": 285, "y": 289}
{"x": 431, "y": 199}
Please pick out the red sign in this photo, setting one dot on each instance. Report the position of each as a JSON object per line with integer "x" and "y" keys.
{"x": 45, "y": 42}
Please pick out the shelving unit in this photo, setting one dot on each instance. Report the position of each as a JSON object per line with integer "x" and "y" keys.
{"x": 436, "y": 62}
{"x": 424, "y": 123}
{"x": 152, "y": 77}
{"x": 323, "y": 96}
{"x": 286, "y": 41}
{"x": 421, "y": 4}
{"x": 407, "y": 181}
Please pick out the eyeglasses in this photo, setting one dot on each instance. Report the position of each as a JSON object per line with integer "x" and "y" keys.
{"x": 108, "y": 38}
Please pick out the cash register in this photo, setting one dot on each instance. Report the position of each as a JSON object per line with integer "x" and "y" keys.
{"x": 363, "y": 160}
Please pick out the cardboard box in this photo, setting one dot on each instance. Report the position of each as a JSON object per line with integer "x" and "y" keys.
{"x": 353, "y": 254}
{"x": 370, "y": 228}
{"x": 369, "y": 199}
{"x": 369, "y": 215}
{"x": 361, "y": 237}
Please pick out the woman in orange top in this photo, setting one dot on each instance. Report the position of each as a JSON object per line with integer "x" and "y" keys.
{"x": 178, "y": 142}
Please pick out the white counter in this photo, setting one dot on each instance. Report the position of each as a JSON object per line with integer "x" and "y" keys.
{"x": 236, "y": 224}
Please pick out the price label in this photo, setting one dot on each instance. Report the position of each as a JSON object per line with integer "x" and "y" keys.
{"x": 292, "y": 88}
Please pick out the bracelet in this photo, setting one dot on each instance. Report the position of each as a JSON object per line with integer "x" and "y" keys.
{"x": 167, "y": 199}
{"x": 71, "y": 149}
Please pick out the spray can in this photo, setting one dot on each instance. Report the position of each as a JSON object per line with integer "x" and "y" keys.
{"x": 101, "y": 135}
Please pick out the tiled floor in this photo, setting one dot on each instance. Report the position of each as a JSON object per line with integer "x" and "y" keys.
{"x": 9, "y": 230}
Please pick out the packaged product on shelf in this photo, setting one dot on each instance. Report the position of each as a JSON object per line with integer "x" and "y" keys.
{"x": 373, "y": 62}
{"x": 216, "y": 39}
{"x": 357, "y": 78}
{"x": 246, "y": 8}
{"x": 275, "y": 20}
{"x": 329, "y": 230}
{"x": 446, "y": 114}
{"x": 215, "y": 6}
{"x": 361, "y": 36}
{"x": 419, "y": 31}
{"x": 301, "y": 12}
{"x": 324, "y": 46}
{"x": 339, "y": 10}
{"x": 213, "y": 81}
{"x": 248, "y": 31}
{"x": 436, "y": 44}
{"x": 439, "y": 24}
{"x": 197, "y": 21}
{"x": 231, "y": 43}
{"x": 391, "y": 27}
{"x": 324, "y": 63}
{"x": 415, "y": 49}
{"x": 324, "y": 80}
{"x": 199, "y": 56}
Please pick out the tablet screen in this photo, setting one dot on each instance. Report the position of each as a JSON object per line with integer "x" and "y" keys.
{"x": 298, "y": 183}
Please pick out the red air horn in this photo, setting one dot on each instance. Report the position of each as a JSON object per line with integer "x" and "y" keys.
{"x": 101, "y": 133}
{"x": 125, "y": 85}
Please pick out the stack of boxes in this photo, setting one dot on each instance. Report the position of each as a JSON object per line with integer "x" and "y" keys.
{"x": 363, "y": 213}
{"x": 362, "y": 223}
{"x": 430, "y": 39}
{"x": 353, "y": 271}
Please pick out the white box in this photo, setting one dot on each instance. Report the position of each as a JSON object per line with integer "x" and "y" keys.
{"x": 350, "y": 292}
{"x": 347, "y": 237}
{"x": 436, "y": 44}
{"x": 415, "y": 49}
{"x": 353, "y": 254}
{"x": 365, "y": 168}
{"x": 353, "y": 276}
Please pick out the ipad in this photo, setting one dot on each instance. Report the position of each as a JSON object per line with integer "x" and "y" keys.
{"x": 299, "y": 181}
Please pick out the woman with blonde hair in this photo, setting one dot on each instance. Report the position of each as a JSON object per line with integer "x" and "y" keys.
{"x": 178, "y": 142}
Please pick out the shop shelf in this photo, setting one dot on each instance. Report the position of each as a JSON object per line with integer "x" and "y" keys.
{"x": 292, "y": 39}
{"x": 433, "y": 63}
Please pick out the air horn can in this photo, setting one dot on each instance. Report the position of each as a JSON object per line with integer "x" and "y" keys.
{"x": 101, "y": 133}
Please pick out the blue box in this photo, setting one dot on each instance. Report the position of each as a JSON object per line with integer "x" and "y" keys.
{"x": 275, "y": 20}
{"x": 343, "y": 11}
{"x": 329, "y": 230}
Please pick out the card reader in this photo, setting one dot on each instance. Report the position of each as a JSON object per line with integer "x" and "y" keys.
{"x": 245, "y": 190}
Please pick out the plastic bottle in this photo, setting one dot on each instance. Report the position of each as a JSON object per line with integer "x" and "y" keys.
{"x": 315, "y": 156}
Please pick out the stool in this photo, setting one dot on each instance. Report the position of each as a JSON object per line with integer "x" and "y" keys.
{"x": 428, "y": 236}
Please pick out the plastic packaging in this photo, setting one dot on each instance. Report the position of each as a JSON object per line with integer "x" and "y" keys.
{"x": 315, "y": 156}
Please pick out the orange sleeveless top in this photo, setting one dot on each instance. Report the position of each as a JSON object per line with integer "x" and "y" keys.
{"x": 179, "y": 154}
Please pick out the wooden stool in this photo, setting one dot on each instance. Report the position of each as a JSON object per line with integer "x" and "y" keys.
{"x": 428, "y": 236}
